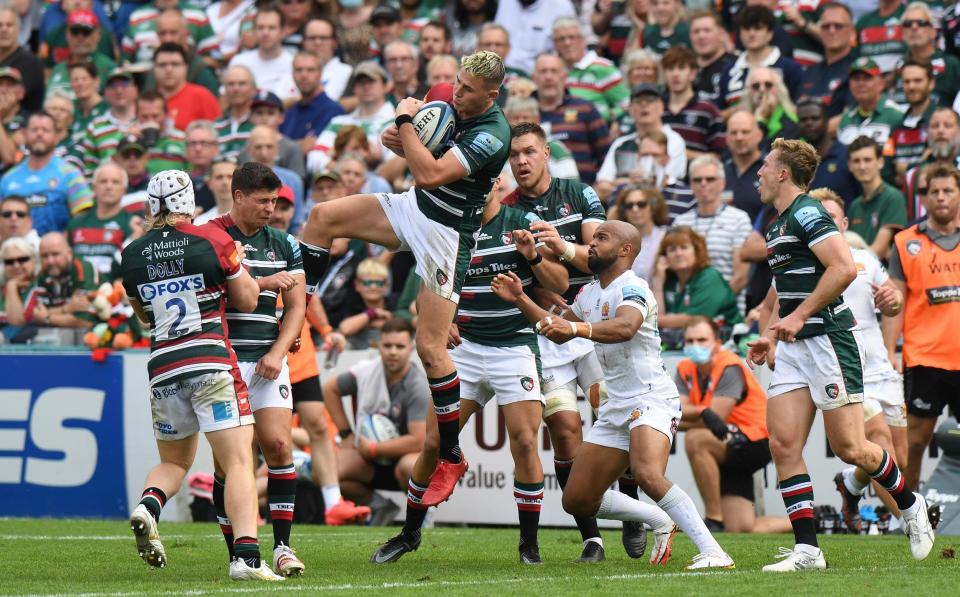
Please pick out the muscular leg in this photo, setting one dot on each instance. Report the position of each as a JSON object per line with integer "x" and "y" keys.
{"x": 876, "y": 431}
{"x": 231, "y": 449}
{"x": 789, "y": 418}
{"x": 523, "y": 422}
{"x": 706, "y": 453}
{"x": 176, "y": 458}
{"x": 919, "y": 434}
{"x": 273, "y": 427}
{"x": 566, "y": 435}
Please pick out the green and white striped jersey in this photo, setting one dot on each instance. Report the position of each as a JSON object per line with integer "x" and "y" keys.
{"x": 483, "y": 317}
{"x": 567, "y": 205}
{"x": 268, "y": 251}
{"x": 796, "y": 270}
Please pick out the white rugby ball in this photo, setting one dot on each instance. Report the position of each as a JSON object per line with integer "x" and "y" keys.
{"x": 434, "y": 124}
{"x": 378, "y": 428}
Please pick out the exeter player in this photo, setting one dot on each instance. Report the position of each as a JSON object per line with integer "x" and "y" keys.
{"x": 437, "y": 220}
{"x": 819, "y": 358}
{"x": 179, "y": 279}
{"x": 571, "y": 212}
{"x": 495, "y": 351}
{"x": 261, "y": 342}
{"x": 638, "y": 421}
{"x": 884, "y": 410}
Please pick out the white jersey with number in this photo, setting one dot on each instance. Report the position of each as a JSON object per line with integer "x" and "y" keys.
{"x": 633, "y": 368}
{"x": 859, "y": 297}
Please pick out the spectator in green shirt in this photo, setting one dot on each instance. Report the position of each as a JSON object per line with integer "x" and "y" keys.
{"x": 668, "y": 29}
{"x": 685, "y": 283}
{"x": 882, "y": 210}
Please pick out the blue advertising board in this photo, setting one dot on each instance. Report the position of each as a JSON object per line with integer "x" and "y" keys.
{"x": 61, "y": 436}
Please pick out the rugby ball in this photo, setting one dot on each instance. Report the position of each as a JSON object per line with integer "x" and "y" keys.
{"x": 434, "y": 124}
{"x": 378, "y": 428}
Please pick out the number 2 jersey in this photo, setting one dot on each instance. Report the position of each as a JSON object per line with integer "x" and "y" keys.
{"x": 268, "y": 251}
{"x": 179, "y": 275}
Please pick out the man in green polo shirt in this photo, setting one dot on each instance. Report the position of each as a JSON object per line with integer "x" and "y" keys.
{"x": 882, "y": 210}
{"x": 83, "y": 39}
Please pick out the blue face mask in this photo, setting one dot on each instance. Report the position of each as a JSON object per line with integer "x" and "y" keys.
{"x": 698, "y": 354}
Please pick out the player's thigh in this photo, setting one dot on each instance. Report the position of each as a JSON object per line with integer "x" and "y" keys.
{"x": 844, "y": 428}
{"x": 273, "y": 427}
{"x": 513, "y": 373}
{"x": 649, "y": 450}
{"x": 355, "y": 216}
{"x": 434, "y": 314}
{"x": 876, "y": 430}
{"x": 594, "y": 470}
{"x": 179, "y": 453}
{"x": 789, "y": 418}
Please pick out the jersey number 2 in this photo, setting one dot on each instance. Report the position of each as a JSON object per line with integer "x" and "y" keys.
{"x": 175, "y": 330}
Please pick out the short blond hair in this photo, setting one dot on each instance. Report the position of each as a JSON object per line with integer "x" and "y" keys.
{"x": 372, "y": 267}
{"x": 826, "y": 195}
{"x": 485, "y": 65}
{"x": 800, "y": 158}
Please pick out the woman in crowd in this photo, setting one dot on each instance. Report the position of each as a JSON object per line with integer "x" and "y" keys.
{"x": 362, "y": 329}
{"x": 19, "y": 279}
{"x": 644, "y": 207}
{"x": 769, "y": 101}
{"x": 685, "y": 283}
{"x": 60, "y": 106}
{"x": 87, "y": 103}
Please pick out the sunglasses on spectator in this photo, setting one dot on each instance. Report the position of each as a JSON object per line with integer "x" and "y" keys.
{"x": 13, "y": 214}
{"x": 764, "y": 84}
{"x": 374, "y": 283}
{"x": 293, "y": 1}
{"x": 921, "y": 191}
{"x": 81, "y": 31}
{"x": 907, "y": 24}
{"x": 833, "y": 26}
{"x": 18, "y": 260}
{"x": 201, "y": 143}
{"x": 636, "y": 205}
{"x": 703, "y": 179}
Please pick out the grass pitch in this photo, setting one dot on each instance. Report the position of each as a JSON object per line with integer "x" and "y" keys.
{"x": 98, "y": 558}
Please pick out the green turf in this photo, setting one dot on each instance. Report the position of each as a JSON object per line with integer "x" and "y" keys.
{"x": 99, "y": 558}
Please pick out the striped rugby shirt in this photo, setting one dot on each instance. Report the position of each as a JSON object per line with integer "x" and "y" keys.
{"x": 233, "y": 135}
{"x": 599, "y": 81}
{"x": 566, "y": 206}
{"x": 796, "y": 270}
{"x": 699, "y": 124}
{"x": 483, "y": 317}
{"x": 179, "y": 275}
{"x": 806, "y": 49}
{"x": 99, "y": 241}
{"x": 372, "y": 125}
{"x": 481, "y": 145}
{"x": 946, "y": 76}
{"x": 141, "y": 38}
{"x": 104, "y": 134}
{"x": 268, "y": 251}
{"x": 881, "y": 38}
{"x": 910, "y": 138}
{"x": 577, "y": 124}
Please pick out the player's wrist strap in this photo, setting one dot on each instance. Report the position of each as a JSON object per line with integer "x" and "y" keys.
{"x": 403, "y": 118}
{"x": 535, "y": 261}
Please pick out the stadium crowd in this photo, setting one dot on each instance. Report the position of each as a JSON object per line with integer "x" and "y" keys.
{"x": 665, "y": 108}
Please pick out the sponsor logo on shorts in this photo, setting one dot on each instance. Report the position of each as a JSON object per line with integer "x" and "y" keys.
{"x": 921, "y": 404}
{"x": 442, "y": 278}
{"x": 165, "y": 428}
{"x": 635, "y": 414}
{"x": 284, "y": 391}
{"x": 527, "y": 383}
{"x": 913, "y": 247}
{"x": 832, "y": 390}
{"x": 222, "y": 411}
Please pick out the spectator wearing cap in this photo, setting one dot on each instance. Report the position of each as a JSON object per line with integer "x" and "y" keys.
{"x": 320, "y": 39}
{"x": 263, "y": 147}
{"x": 872, "y": 116}
{"x": 589, "y": 76}
{"x": 373, "y": 114}
{"x": 164, "y": 142}
{"x": 694, "y": 119}
{"x": 880, "y": 35}
{"x": 646, "y": 109}
{"x": 755, "y": 24}
{"x": 13, "y": 55}
{"x": 740, "y": 169}
{"x": 98, "y": 235}
{"x": 267, "y": 110}
{"x": 15, "y": 220}
{"x": 529, "y": 25}
{"x": 574, "y": 122}
{"x": 306, "y": 118}
{"x": 920, "y": 35}
{"x": 54, "y": 46}
{"x": 271, "y": 63}
{"x": 828, "y": 80}
{"x": 173, "y": 27}
{"x": 832, "y": 173}
{"x": 202, "y": 147}
{"x": 11, "y": 114}
{"x": 326, "y": 186}
{"x": 142, "y": 37}
{"x": 83, "y": 37}
{"x": 55, "y": 189}
{"x": 186, "y": 101}
{"x": 400, "y": 58}
{"x": 218, "y": 181}
{"x": 234, "y": 127}
{"x": 88, "y": 103}
{"x": 386, "y": 27}
{"x": 709, "y": 41}
{"x": 132, "y": 157}
{"x": 282, "y": 216}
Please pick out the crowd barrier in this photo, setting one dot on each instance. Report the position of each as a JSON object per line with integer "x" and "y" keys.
{"x": 76, "y": 441}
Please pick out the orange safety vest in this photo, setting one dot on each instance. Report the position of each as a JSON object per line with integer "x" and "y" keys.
{"x": 751, "y": 414}
{"x": 303, "y": 363}
{"x": 931, "y": 316}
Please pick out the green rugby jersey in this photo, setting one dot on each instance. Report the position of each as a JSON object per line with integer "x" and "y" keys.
{"x": 599, "y": 81}
{"x": 567, "y": 205}
{"x": 99, "y": 241}
{"x": 104, "y": 134}
{"x": 881, "y": 38}
{"x": 482, "y": 145}
{"x": 141, "y": 37}
{"x": 268, "y": 251}
{"x": 656, "y": 42}
{"x": 796, "y": 270}
{"x": 179, "y": 275}
{"x": 482, "y": 316}
{"x": 233, "y": 139}
{"x": 946, "y": 75}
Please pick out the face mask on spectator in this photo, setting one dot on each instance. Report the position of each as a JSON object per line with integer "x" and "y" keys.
{"x": 698, "y": 354}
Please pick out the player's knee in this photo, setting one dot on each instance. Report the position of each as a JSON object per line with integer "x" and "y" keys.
{"x": 578, "y": 505}
{"x": 316, "y": 426}
{"x": 851, "y": 452}
{"x": 646, "y": 475}
{"x": 564, "y": 437}
{"x": 783, "y": 449}
{"x": 524, "y": 442}
{"x": 693, "y": 442}
{"x": 278, "y": 449}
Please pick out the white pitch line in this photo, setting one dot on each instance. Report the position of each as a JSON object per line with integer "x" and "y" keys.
{"x": 9, "y": 537}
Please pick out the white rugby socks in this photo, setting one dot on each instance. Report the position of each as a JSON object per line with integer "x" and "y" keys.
{"x": 680, "y": 507}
